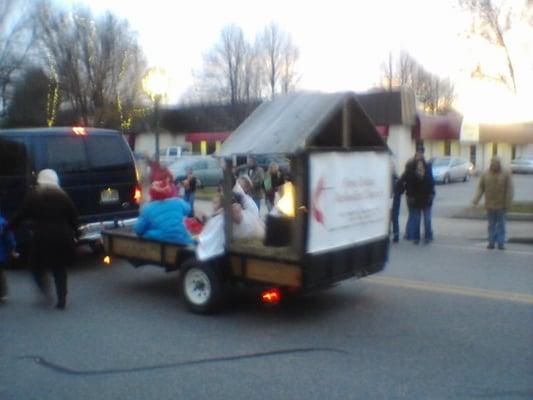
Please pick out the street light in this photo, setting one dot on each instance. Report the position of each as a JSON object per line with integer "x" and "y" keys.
{"x": 156, "y": 84}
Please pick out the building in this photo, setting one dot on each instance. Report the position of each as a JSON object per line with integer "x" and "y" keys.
{"x": 396, "y": 117}
{"x": 445, "y": 136}
{"x": 202, "y": 128}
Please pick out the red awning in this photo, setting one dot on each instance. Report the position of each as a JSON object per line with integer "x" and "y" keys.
{"x": 433, "y": 127}
{"x": 196, "y": 137}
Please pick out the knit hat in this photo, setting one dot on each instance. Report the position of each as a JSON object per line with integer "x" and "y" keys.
{"x": 48, "y": 177}
{"x": 160, "y": 190}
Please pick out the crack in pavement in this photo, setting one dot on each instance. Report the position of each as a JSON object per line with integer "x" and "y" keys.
{"x": 69, "y": 371}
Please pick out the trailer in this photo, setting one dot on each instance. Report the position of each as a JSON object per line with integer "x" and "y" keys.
{"x": 334, "y": 222}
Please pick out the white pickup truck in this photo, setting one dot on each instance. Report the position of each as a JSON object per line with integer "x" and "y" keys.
{"x": 172, "y": 153}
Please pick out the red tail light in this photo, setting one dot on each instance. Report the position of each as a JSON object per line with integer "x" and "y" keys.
{"x": 271, "y": 296}
{"x": 137, "y": 195}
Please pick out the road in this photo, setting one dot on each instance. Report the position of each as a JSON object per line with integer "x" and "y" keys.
{"x": 450, "y": 320}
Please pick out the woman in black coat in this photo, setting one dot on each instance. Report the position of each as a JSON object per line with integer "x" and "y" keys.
{"x": 420, "y": 191}
{"x": 53, "y": 220}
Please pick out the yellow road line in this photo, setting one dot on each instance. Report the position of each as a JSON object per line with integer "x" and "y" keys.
{"x": 449, "y": 289}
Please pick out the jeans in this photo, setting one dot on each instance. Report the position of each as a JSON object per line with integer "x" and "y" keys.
{"x": 496, "y": 226}
{"x": 189, "y": 198}
{"x": 395, "y": 215}
{"x": 415, "y": 226}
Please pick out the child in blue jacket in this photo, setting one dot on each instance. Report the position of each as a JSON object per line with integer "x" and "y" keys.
{"x": 7, "y": 248}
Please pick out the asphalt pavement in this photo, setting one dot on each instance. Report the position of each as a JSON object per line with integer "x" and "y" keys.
{"x": 448, "y": 320}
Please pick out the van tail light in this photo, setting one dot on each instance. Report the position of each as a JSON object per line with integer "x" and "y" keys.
{"x": 271, "y": 296}
{"x": 137, "y": 194}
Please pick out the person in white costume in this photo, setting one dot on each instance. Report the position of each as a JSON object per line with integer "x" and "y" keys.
{"x": 246, "y": 224}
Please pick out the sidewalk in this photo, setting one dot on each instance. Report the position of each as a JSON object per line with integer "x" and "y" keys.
{"x": 476, "y": 229}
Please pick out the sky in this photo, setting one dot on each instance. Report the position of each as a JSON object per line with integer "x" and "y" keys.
{"x": 342, "y": 44}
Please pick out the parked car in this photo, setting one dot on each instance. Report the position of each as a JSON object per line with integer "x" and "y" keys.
{"x": 207, "y": 169}
{"x": 448, "y": 169}
{"x": 522, "y": 165}
{"x": 264, "y": 160}
{"x": 95, "y": 167}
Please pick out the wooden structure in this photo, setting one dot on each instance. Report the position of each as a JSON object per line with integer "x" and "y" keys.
{"x": 313, "y": 130}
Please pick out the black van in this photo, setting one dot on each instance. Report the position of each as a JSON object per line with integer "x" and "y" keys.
{"x": 95, "y": 167}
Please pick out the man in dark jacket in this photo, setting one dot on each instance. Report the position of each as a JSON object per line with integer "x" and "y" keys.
{"x": 420, "y": 191}
{"x": 53, "y": 219}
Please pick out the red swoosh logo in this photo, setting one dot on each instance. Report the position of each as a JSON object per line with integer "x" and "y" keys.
{"x": 317, "y": 213}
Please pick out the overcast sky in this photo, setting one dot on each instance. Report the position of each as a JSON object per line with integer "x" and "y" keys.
{"x": 342, "y": 43}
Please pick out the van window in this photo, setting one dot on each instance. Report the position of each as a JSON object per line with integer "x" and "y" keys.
{"x": 13, "y": 155}
{"x": 108, "y": 152}
{"x": 65, "y": 153}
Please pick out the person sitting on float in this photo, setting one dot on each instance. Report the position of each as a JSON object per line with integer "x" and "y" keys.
{"x": 163, "y": 218}
{"x": 245, "y": 219}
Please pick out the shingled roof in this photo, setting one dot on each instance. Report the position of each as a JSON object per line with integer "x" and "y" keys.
{"x": 295, "y": 122}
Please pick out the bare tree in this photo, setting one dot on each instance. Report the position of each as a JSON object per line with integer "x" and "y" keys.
{"x": 280, "y": 56}
{"x": 289, "y": 76}
{"x": 493, "y": 23}
{"x": 227, "y": 71}
{"x": 98, "y": 63}
{"x": 237, "y": 72}
{"x": 272, "y": 41}
{"x": 16, "y": 38}
{"x": 435, "y": 94}
{"x": 388, "y": 73}
{"x": 253, "y": 74}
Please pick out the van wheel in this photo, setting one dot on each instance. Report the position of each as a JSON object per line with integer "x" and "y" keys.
{"x": 201, "y": 287}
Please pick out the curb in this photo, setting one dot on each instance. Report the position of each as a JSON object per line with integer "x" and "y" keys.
{"x": 466, "y": 214}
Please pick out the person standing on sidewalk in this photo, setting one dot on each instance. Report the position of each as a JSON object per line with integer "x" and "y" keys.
{"x": 497, "y": 186}
{"x": 420, "y": 192}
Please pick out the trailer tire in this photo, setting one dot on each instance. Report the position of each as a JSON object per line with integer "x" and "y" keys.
{"x": 201, "y": 287}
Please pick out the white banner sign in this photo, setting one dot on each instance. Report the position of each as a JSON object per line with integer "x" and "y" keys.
{"x": 349, "y": 198}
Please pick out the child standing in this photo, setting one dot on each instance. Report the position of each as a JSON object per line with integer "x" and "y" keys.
{"x": 7, "y": 248}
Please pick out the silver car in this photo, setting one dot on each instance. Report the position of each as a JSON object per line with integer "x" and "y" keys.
{"x": 448, "y": 169}
{"x": 522, "y": 165}
{"x": 207, "y": 169}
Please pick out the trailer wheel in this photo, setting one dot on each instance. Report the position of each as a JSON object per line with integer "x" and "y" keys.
{"x": 201, "y": 287}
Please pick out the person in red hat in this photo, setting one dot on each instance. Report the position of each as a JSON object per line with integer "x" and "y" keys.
{"x": 159, "y": 172}
{"x": 163, "y": 218}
